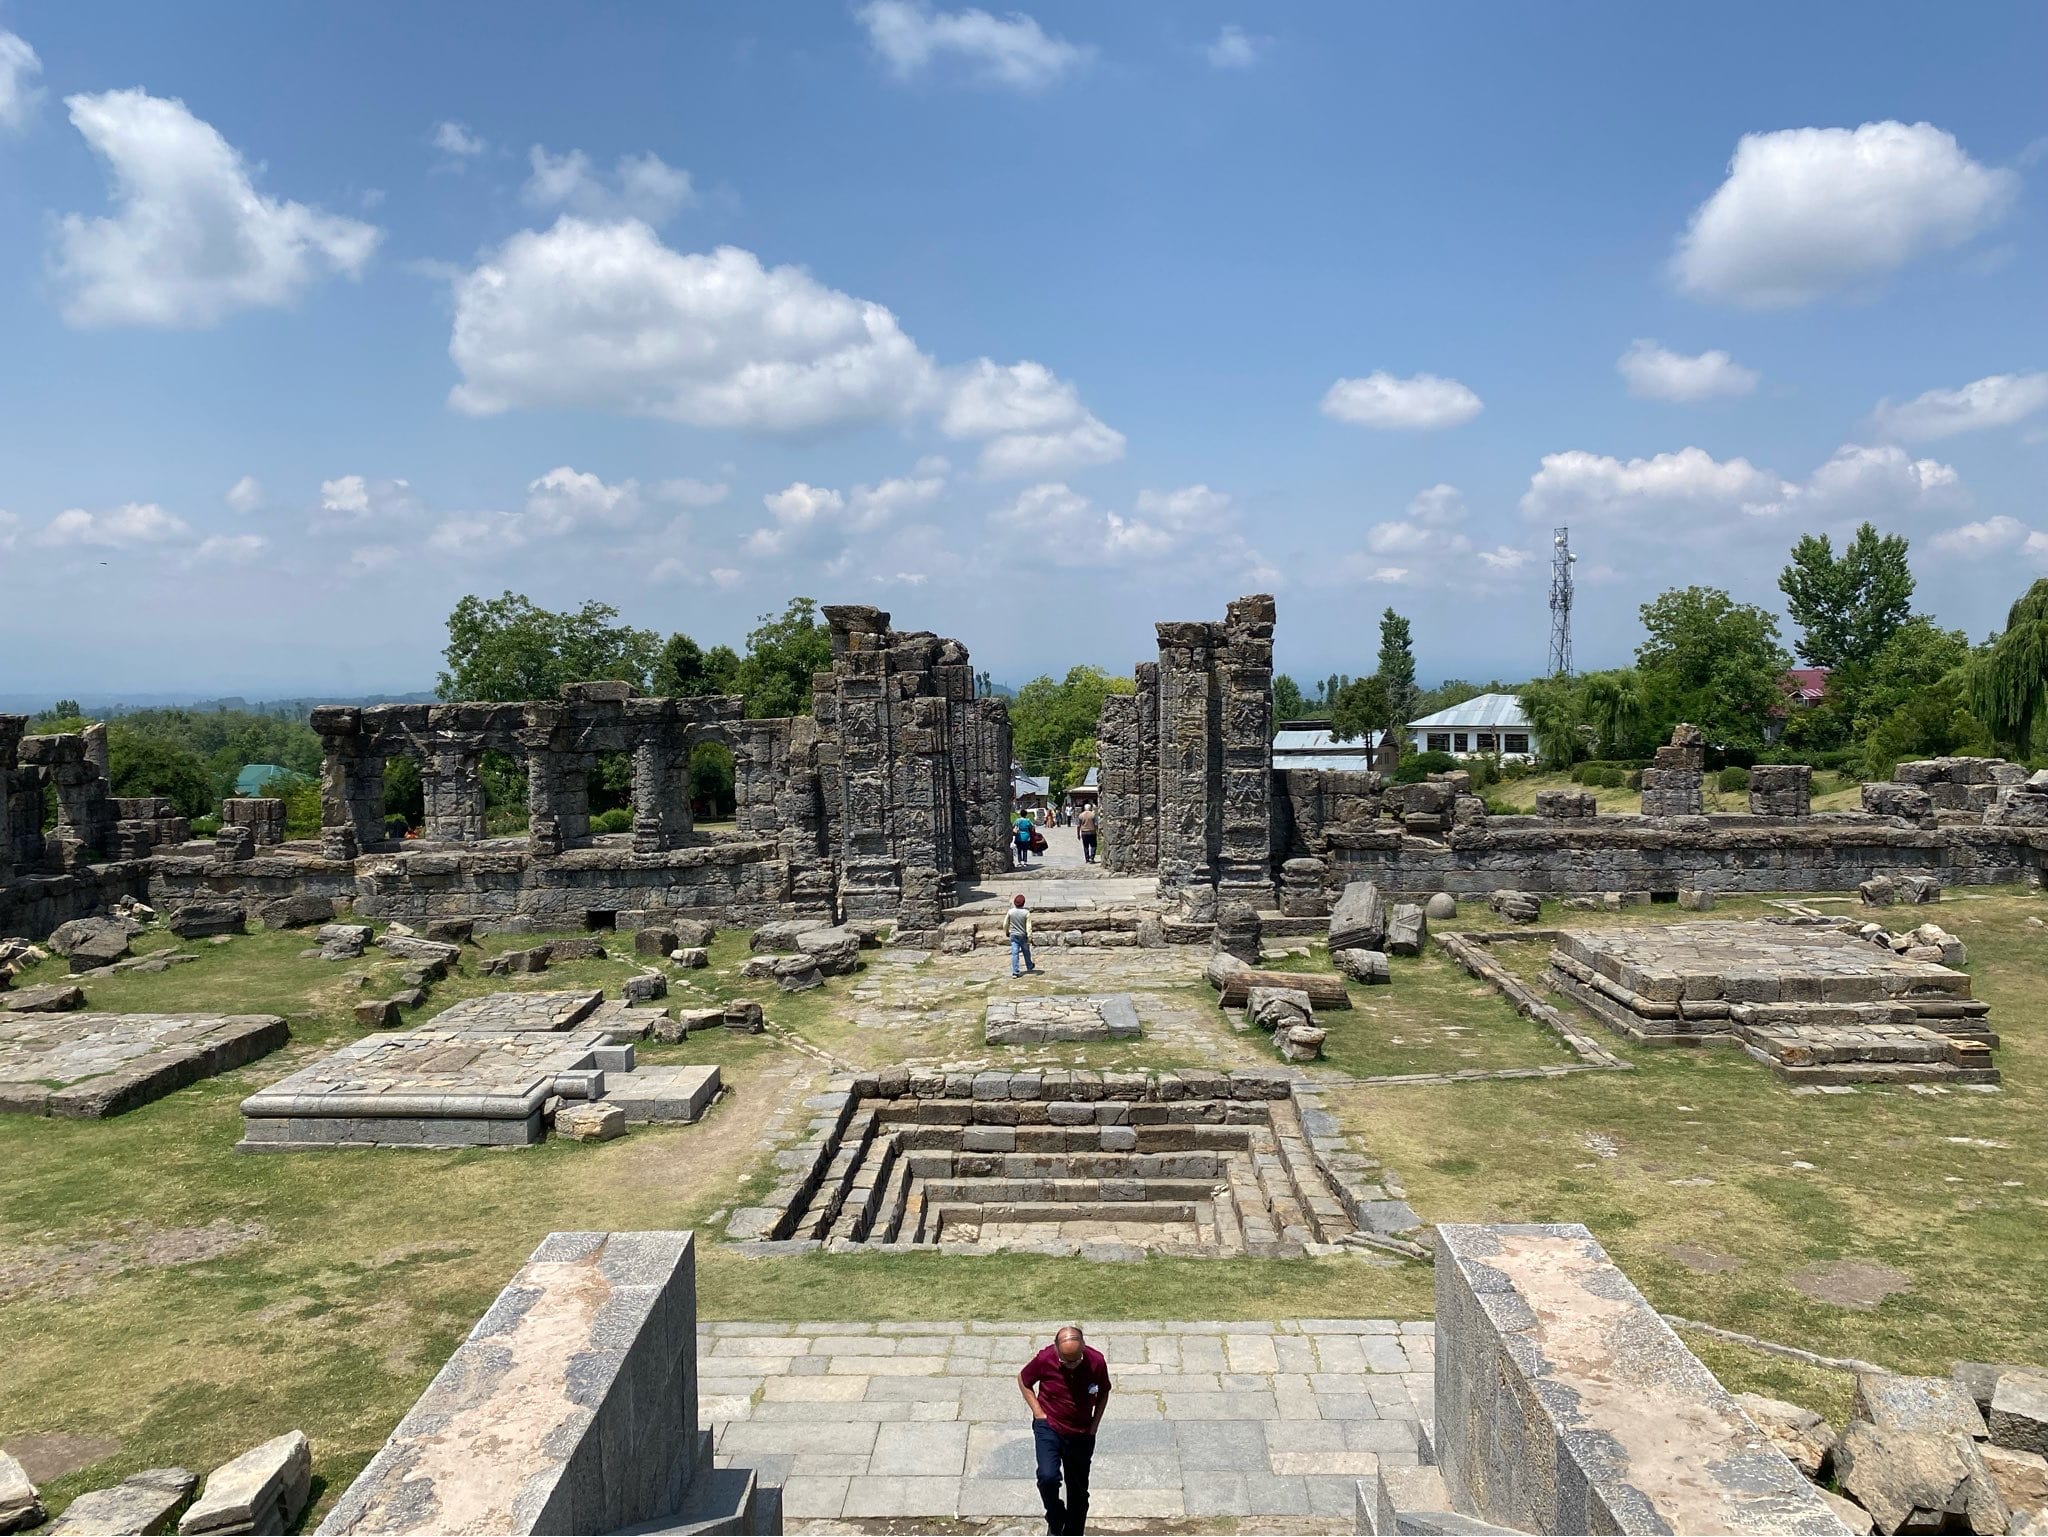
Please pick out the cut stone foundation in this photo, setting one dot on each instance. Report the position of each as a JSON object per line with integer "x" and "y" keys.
{"x": 1105, "y": 1165}
{"x": 85, "y": 1066}
{"x": 1814, "y": 1004}
{"x": 1033, "y": 1021}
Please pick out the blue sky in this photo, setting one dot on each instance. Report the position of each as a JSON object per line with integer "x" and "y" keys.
{"x": 1031, "y": 327}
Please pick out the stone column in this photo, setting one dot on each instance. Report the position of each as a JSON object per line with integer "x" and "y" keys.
{"x": 452, "y": 786}
{"x": 871, "y": 874}
{"x": 351, "y": 782}
{"x": 1672, "y": 785}
{"x": 12, "y": 728}
{"x": 1190, "y": 758}
{"x": 661, "y": 777}
{"x": 1781, "y": 790}
{"x": 1244, "y": 860}
{"x": 924, "y": 844}
{"x": 557, "y": 780}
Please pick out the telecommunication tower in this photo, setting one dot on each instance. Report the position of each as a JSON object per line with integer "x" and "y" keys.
{"x": 1561, "y": 561}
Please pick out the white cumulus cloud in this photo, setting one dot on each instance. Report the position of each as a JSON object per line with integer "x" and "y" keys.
{"x": 245, "y": 495}
{"x": 1190, "y": 524}
{"x": 1692, "y": 489}
{"x": 1235, "y": 48}
{"x": 1991, "y": 536}
{"x": 192, "y": 240}
{"x": 1657, "y": 373}
{"x": 1420, "y": 404}
{"x": 19, "y": 68}
{"x": 604, "y": 316}
{"x": 233, "y": 549}
{"x": 1032, "y": 419}
{"x": 1427, "y": 546}
{"x": 356, "y": 499}
{"x": 455, "y": 139}
{"x": 639, "y": 187}
{"x": 565, "y": 499}
{"x": 123, "y": 527}
{"x": 1013, "y": 52}
{"x": 1807, "y": 212}
{"x": 1997, "y": 401}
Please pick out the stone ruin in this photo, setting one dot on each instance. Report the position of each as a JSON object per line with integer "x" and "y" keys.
{"x": 1104, "y": 1165}
{"x": 875, "y": 806}
{"x": 1815, "y": 1004}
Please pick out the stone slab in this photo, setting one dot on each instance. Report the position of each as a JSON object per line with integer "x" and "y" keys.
{"x": 89, "y": 1065}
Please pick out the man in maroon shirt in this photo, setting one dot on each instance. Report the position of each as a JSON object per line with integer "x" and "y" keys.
{"x": 1066, "y": 1387}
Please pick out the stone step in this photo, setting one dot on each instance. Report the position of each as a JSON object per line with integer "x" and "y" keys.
{"x": 866, "y": 1189}
{"x": 1066, "y": 1191}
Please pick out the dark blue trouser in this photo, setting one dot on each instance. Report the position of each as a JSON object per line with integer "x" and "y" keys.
{"x": 1059, "y": 1453}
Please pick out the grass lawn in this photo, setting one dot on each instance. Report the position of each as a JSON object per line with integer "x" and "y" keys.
{"x": 1730, "y": 1199}
{"x": 1831, "y": 792}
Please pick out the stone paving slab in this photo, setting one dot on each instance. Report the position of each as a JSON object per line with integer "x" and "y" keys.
{"x": 88, "y": 1065}
{"x": 520, "y": 1011}
{"x": 1260, "y": 1420}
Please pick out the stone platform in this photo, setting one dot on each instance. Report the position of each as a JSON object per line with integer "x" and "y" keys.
{"x": 1034, "y": 1021}
{"x": 1210, "y": 1421}
{"x": 85, "y": 1066}
{"x": 435, "y": 1087}
{"x": 1812, "y": 1002}
{"x": 521, "y": 1011}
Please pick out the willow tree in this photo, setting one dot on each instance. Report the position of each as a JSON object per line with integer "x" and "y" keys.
{"x": 2008, "y": 680}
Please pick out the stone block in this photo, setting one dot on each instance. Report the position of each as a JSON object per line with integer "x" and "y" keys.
{"x": 1694, "y": 900}
{"x": 21, "y": 1504}
{"x": 1802, "y": 1435}
{"x": 1878, "y": 891}
{"x": 2019, "y": 1412}
{"x": 263, "y": 1490}
{"x": 744, "y": 1014}
{"x": 302, "y": 911}
{"x": 378, "y": 1014}
{"x": 452, "y": 931}
{"x": 590, "y": 1121}
{"x": 342, "y": 941}
{"x": 2021, "y": 1478}
{"x": 51, "y": 998}
{"x": 1904, "y": 801}
{"x": 1368, "y": 966}
{"x": 1516, "y": 906}
{"x": 646, "y": 988}
{"x": 691, "y": 957}
{"x": 203, "y": 920}
{"x": 655, "y": 943}
{"x": 142, "y": 1502}
{"x": 1406, "y": 929}
{"x": 410, "y": 947}
{"x": 1301, "y": 1043}
{"x": 1359, "y": 920}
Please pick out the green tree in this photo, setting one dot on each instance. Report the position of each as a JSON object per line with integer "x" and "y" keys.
{"x": 507, "y": 648}
{"x": 2007, "y": 682}
{"x": 1397, "y": 665}
{"x": 1917, "y": 657}
{"x": 1614, "y": 706}
{"x": 1712, "y": 661}
{"x": 1288, "y": 701}
{"x": 1557, "y": 719}
{"x": 140, "y": 763}
{"x": 1847, "y": 607}
{"x": 1363, "y": 706}
{"x": 63, "y": 709}
{"x": 783, "y": 651}
{"x": 1052, "y": 723}
{"x": 711, "y": 781}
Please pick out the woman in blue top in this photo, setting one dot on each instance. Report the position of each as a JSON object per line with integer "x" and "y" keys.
{"x": 1024, "y": 828}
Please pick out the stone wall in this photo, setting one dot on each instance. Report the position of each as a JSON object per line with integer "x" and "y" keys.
{"x": 571, "y": 1406}
{"x": 1565, "y": 1404}
{"x": 1827, "y": 852}
{"x": 1187, "y": 762}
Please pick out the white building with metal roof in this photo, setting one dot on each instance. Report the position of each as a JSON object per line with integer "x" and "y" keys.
{"x": 1491, "y": 723}
{"x": 1308, "y": 744}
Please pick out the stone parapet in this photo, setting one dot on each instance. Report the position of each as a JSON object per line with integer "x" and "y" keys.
{"x": 1565, "y": 1404}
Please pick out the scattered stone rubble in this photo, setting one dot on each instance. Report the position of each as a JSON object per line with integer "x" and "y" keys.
{"x": 1516, "y": 906}
{"x": 141, "y": 1502}
{"x": 263, "y": 1490}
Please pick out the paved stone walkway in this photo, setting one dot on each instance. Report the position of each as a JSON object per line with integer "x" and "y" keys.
{"x": 922, "y": 1421}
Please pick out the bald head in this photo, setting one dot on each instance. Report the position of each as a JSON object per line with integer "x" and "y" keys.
{"x": 1067, "y": 1343}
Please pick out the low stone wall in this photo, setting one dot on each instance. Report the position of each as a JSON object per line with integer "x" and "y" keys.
{"x": 1565, "y": 1404}
{"x": 571, "y": 1407}
{"x": 32, "y": 905}
{"x": 1830, "y": 852}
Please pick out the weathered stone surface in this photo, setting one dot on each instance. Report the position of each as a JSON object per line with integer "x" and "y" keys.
{"x": 82, "y": 1066}
{"x": 1276, "y": 1008}
{"x": 1515, "y": 906}
{"x": 1851, "y": 1515}
{"x": 646, "y": 988}
{"x": 202, "y": 920}
{"x": 1915, "y": 889}
{"x": 410, "y": 947}
{"x": 51, "y": 998}
{"x": 693, "y": 933}
{"x": 1567, "y": 805}
{"x": 691, "y": 958}
{"x": 835, "y": 952}
{"x": 1693, "y": 900}
{"x": 66, "y": 937}
{"x": 590, "y": 1121}
{"x": 585, "y": 949}
{"x": 744, "y": 1014}
{"x": 301, "y": 911}
{"x": 1928, "y": 1479}
{"x": 1565, "y": 1404}
{"x": 378, "y": 1014}
{"x": 957, "y": 937}
{"x": 141, "y": 1503}
{"x": 102, "y": 945}
{"x": 782, "y": 935}
{"x": 1359, "y": 920}
{"x": 1301, "y": 1043}
{"x": 1979, "y": 1379}
{"x": 1033, "y": 1021}
{"x": 1440, "y": 906}
{"x": 1799, "y": 1433}
{"x": 1369, "y": 966}
{"x": 1406, "y": 929}
{"x": 1919, "y": 1405}
{"x": 655, "y": 942}
{"x": 2021, "y": 1477}
{"x": 21, "y": 1504}
{"x": 342, "y": 941}
{"x": 798, "y": 974}
{"x": 452, "y": 931}
{"x": 1907, "y": 802}
{"x": 594, "y": 1341}
{"x": 2019, "y": 1412}
{"x": 263, "y": 1490}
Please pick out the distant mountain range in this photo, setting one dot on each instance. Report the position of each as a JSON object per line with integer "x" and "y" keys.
{"x": 104, "y": 707}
